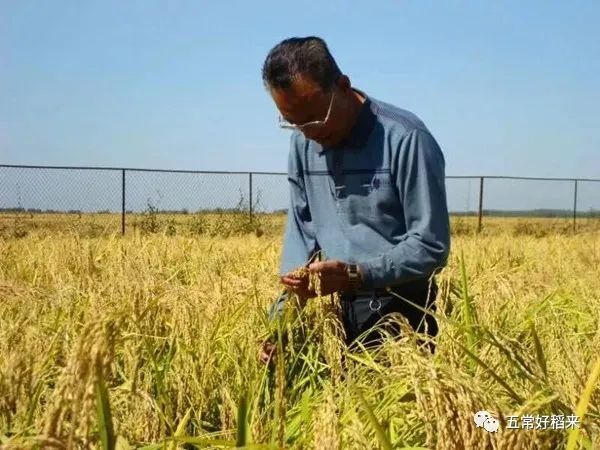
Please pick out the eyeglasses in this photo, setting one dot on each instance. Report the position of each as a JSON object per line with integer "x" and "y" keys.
{"x": 308, "y": 125}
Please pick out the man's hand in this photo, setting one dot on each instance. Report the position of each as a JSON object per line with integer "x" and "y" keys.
{"x": 266, "y": 351}
{"x": 298, "y": 285}
{"x": 333, "y": 275}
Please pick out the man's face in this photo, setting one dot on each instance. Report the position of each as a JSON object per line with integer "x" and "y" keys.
{"x": 305, "y": 102}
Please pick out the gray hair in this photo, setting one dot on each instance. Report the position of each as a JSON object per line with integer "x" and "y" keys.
{"x": 306, "y": 56}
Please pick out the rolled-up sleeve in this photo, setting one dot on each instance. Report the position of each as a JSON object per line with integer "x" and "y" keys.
{"x": 424, "y": 248}
{"x": 299, "y": 238}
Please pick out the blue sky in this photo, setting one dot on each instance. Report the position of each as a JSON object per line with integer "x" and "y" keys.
{"x": 507, "y": 88}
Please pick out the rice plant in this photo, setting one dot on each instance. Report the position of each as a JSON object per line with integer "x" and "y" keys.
{"x": 151, "y": 341}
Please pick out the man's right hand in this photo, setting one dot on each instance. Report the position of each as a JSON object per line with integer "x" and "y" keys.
{"x": 298, "y": 286}
{"x": 266, "y": 351}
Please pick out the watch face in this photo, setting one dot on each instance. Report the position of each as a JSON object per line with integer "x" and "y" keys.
{"x": 352, "y": 271}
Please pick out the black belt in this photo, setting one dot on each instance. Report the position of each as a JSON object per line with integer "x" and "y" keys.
{"x": 408, "y": 290}
{"x": 402, "y": 289}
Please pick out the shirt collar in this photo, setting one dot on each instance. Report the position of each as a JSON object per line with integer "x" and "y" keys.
{"x": 362, "y": 128}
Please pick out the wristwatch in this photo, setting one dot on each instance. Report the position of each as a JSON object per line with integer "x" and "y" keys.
{"x": 353, "y": 276}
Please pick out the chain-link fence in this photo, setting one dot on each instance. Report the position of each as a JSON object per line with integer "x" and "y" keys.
{"x": 121, "y": 194}
{"x": 524, "y": 197}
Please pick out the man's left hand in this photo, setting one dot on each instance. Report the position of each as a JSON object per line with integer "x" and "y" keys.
{"x": 333, "y": 275}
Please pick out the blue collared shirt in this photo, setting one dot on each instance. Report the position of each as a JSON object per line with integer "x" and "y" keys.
{"x": 378, "y": 199}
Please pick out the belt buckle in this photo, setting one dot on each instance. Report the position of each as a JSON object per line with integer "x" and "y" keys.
{"x": 375, "y": 301}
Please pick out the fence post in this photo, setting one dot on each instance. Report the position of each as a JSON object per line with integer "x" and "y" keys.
{"x": 123, "y": 202}
{"x": 250, "y": 191}
{"x": 575, "y": 207}
{"x": 480, "y": 204}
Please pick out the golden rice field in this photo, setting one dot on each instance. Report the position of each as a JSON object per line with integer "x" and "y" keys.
{"x": 150, "y": 341}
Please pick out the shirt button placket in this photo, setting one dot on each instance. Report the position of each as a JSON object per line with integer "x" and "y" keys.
{"x": 340, "y": 182}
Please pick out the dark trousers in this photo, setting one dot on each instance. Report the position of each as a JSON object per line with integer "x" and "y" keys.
{"x": 362, "y": 311}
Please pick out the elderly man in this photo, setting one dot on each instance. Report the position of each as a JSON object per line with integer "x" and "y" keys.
{"x": 367, "y": 188}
